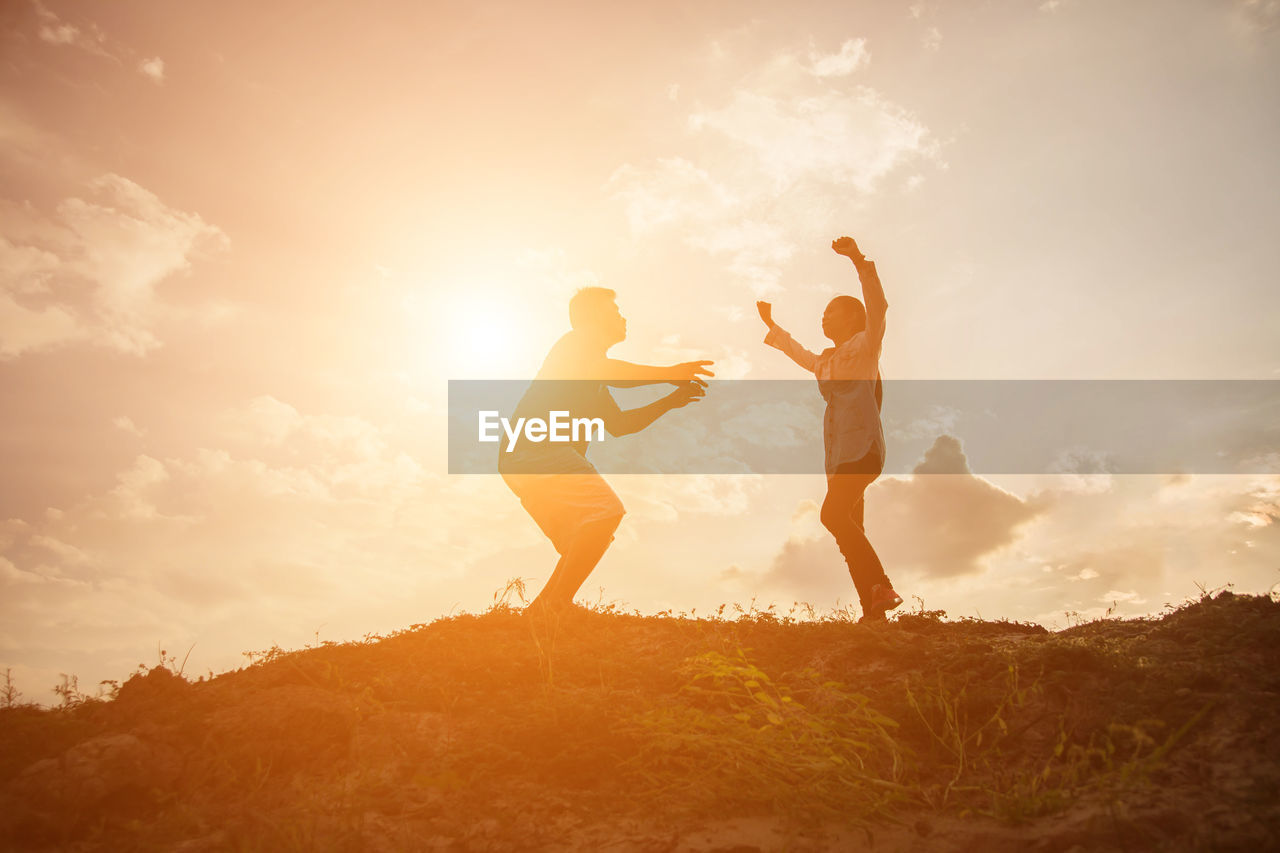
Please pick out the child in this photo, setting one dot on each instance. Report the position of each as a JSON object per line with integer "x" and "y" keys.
{"x": 849, "y": 380}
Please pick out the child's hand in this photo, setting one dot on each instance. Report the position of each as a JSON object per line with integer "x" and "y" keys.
{"x": 766, "y": 313}
{"x": 847, "y": 247}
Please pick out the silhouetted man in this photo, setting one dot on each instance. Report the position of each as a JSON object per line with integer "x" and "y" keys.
{"x": 567, "y": 498}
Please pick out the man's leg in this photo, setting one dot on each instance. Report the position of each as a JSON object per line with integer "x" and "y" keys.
{"x": 581, "y": 555}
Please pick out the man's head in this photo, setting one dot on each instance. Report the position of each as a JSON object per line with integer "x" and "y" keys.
{"x": 845, "y": 317}
{"x": 592, "y": 310}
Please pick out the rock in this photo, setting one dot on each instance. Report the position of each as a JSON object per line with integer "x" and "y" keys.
{"x": 110, "y": 776}
{"x": 99, "y": 769}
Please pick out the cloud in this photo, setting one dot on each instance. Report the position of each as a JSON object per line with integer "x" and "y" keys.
{"x": 126, "y": 424}
{"x": 853, "y": 54}
{"x": 1144, "y": 535}
{"x": 53, "y": 30}
{"x": 940, "y": 522}
{"x": 730, "y": 362}
{"x": 23, "y": 329}
{"x": 939, "y": 420}
{"x": 943, "y": 521}
{"x": 670, "y": 499}
{"x": 771, "y": 425}
{"x": 1116, "y": 596}
{"x": 671, "y": 191}
{"x": 1259, "y": 506}
{"x": 946, "y": 456}
{"x": 90, "y": 271}
{"x": 764, "y": 161}
{"x": 1259, "y": 15}
{"x": 132, "y": 496}
{"x": 153, "y": 69}
{"x": 314, "y": 518}
{"x": 263, "y": 419}
{"x": 852, "y": 139}
{"x": 1105, "y": 562}
{"x": 756, "y": 250}
{"x": 1085, "y": 470}
{"x": 809, "y": 565}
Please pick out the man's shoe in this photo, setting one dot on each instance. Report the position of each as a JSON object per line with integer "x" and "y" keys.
{"x": 883, "y": 598}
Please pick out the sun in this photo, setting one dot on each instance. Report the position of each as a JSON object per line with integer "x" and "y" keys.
{"x": 484, "y": 338}
{"x": 472, "y": 324}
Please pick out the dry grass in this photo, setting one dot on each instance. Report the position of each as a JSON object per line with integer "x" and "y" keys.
{"x": 500, "y": 731}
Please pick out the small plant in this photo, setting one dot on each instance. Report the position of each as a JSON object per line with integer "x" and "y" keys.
{"x": 1117, "y": 759}
{"x": 9, "y": 693}
{"x": 69, "y": 691}
{"x": 1207, "y": 594}
{"x": 501, "y": 597}
{"x": 267, "y": 656}
{"x": 966, "y": 745}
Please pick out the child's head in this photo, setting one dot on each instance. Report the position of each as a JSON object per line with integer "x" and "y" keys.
{"x": 845, "y": 317}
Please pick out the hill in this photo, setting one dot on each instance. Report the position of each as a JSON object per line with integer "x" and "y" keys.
{"x": 499, "y": 731}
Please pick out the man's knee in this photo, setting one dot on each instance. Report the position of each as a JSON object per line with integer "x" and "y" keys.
{"x": 607, "y": 525}
{"x": 613, "y": 521}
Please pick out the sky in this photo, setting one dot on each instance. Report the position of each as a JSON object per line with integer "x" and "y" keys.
{"x": 244, "y": 247}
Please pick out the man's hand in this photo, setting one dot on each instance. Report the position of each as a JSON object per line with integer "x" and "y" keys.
{"x": 692, "y": 371}
{"x": 766, "y": 313}
{"x": 847, "y": 247}
{"x": 686, "y": 393}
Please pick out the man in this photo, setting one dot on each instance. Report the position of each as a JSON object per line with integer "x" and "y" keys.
{"x": 567, "y": 498}
{"x": 848, "y": 374}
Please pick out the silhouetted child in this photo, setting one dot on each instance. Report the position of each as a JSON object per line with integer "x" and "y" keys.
{"x": 849, "y": 379}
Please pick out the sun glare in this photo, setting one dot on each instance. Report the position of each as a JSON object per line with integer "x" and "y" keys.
{"x": 482, "y": 335}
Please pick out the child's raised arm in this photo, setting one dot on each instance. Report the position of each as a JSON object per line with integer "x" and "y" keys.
{"x": 872, "y": 291}
{"x": 779, "y": 339}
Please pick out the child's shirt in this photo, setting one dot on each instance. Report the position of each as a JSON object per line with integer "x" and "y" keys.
{"x": 846, "y": 379}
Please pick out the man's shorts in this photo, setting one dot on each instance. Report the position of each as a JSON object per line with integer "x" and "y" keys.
{"x": 561, "y": 504}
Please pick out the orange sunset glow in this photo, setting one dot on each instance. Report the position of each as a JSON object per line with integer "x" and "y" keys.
{"x": 245, "y": 248}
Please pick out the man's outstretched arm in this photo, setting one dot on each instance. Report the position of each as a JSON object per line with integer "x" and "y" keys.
{"x": 624, "y": 422}
{"x": 778, "y": 338}
{"x": 625, "y": 374}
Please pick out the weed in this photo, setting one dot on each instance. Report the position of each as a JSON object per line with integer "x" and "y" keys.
{"x": 965, "y": 745}
{"x": 9, "y": 693}
{"x": 740, "y": 738}
{"x": 1115, "y": 760}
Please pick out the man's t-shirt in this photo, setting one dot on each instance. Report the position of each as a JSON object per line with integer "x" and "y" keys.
{"x": 570, "y": 380}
